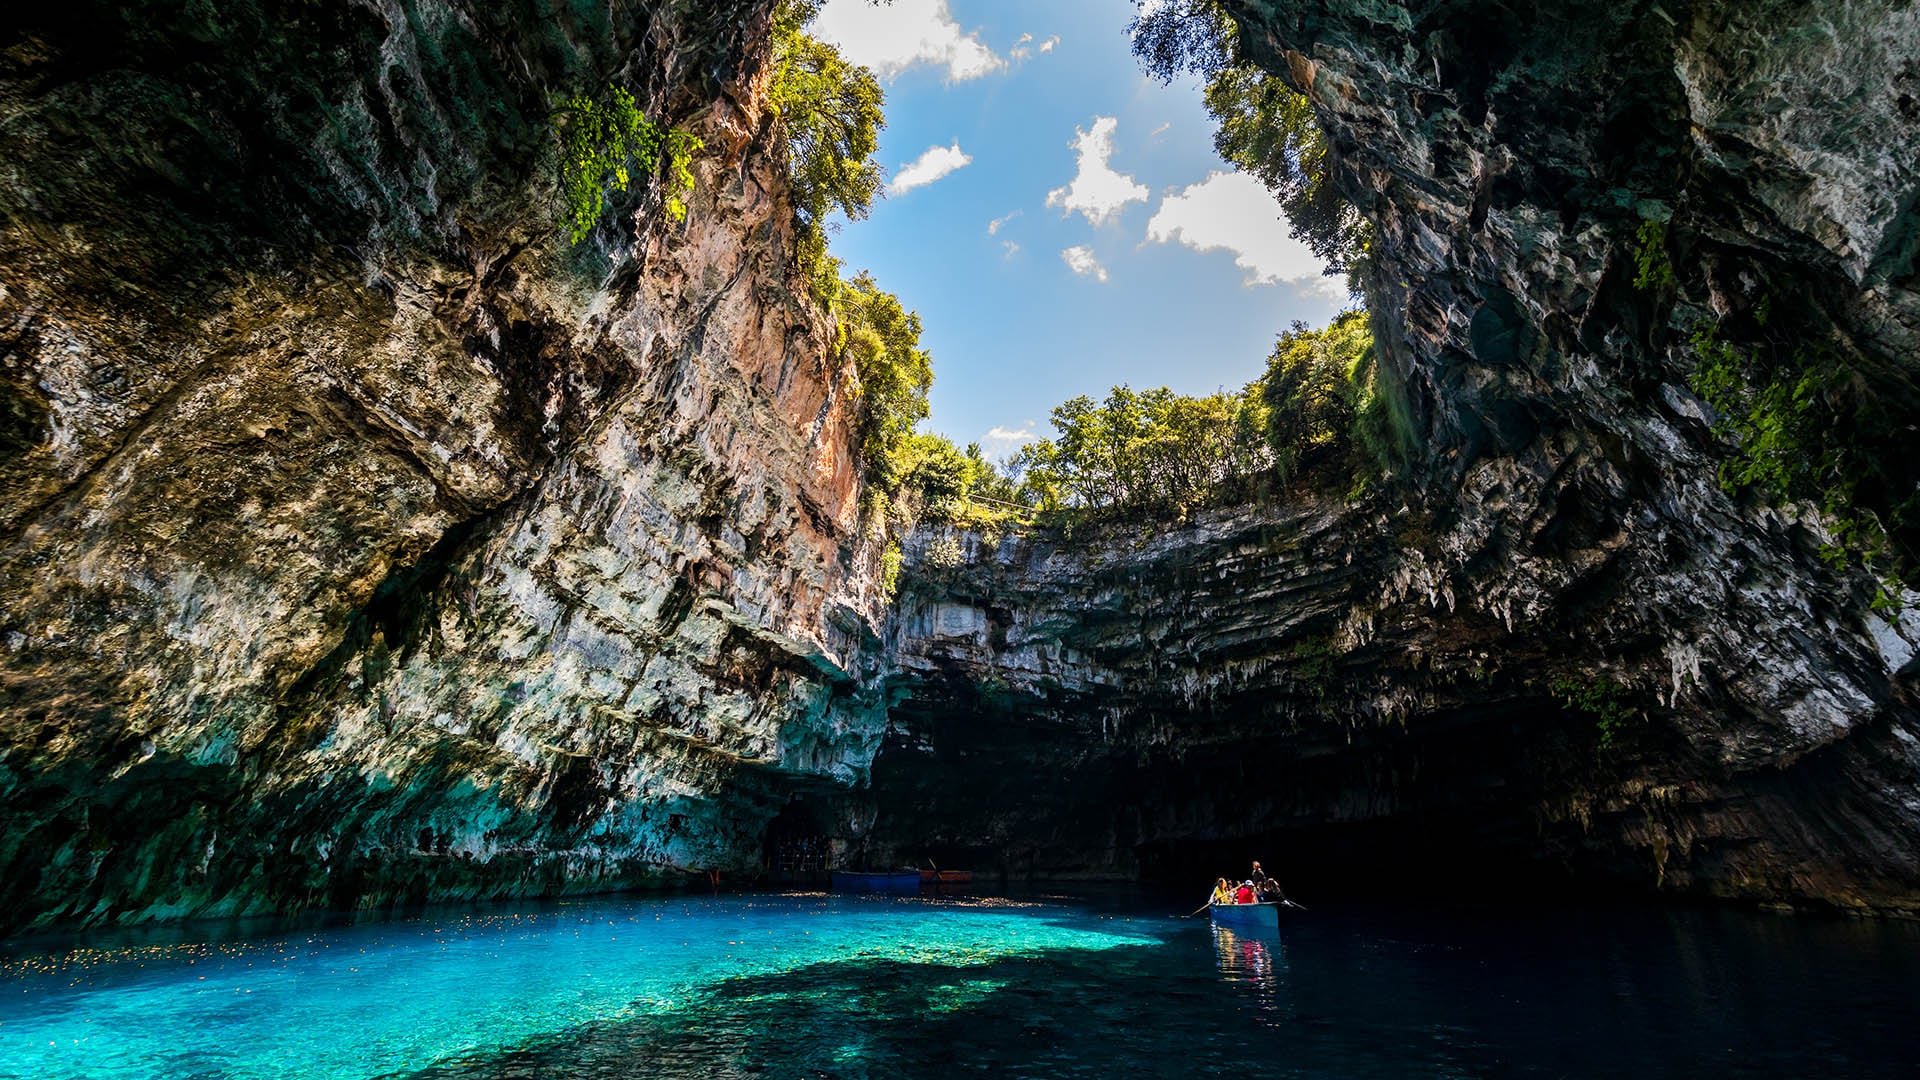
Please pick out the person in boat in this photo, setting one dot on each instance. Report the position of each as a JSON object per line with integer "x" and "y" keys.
{"x": 1270, "y": 893}
{"x": 1258, "y": 877}
{"x": 1222, "y": 892}
{"x": 1245, "y": 894}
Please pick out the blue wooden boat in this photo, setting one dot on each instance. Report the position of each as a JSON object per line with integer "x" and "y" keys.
{"x": 1247, "y": 916}
{"x": 883, "y": 881}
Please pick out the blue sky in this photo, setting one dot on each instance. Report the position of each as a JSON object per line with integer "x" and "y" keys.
{"x": 1164, "y": 267}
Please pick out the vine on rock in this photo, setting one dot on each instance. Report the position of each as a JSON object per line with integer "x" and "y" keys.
{"x": 1601, "y": 698}
{"x": 605, "y": 142}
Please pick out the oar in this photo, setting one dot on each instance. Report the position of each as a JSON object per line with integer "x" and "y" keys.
{"x": 1199, "y": 909}
{"x": 1291, "y": 903}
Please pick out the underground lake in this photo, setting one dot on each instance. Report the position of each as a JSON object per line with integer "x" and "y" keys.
{"x": 1093, "y": 984}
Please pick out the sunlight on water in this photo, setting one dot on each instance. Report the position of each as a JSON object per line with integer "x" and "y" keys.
{"x": 360, "y": 1001}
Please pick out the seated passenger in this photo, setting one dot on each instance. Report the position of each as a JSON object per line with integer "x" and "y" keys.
{"x": 1244, "y": 895}
{"x": 1222, "y": 892}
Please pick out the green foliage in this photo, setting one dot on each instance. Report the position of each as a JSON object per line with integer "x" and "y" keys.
{"x": 959, "y": 486}
{"x": 1174, "y": 37}
{"x": 1266, "y": 127}
{"x": 1313, "y": 389}
{"x": 605, "y": 142}
{"x": 831, "y": 113}
{"x": 1269, "y": 129}
{"x": 1601, "y": 698}
{"x": 1803, "y": 429}
{"x": 890, "y": 562}
{"x": 1313, "y": 663}
{"x": 1317, "y": 410}
{"x": 883, "y": 339}
{"x": 1653, "y": 268}
{"x": 1143, "y": 449}
{"x": 1326, "y": 408}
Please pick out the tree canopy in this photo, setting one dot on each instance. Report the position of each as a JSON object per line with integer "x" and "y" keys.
{"x": 895, "y": 373}
{"x": 1266, "y": 127}
{"x": 1315, "y": 415}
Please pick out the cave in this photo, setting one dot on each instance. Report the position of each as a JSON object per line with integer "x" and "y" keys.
{"x": 369, "y": 539}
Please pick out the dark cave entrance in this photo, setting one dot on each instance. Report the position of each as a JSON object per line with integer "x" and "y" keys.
{"x": 797, "y": 849}
{"x": 1461, "y": 803}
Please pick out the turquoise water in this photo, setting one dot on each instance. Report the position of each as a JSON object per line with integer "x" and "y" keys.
{"x": 779, "y": 986}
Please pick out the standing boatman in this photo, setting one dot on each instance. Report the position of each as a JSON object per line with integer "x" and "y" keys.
{"x": 1268, "y": 889}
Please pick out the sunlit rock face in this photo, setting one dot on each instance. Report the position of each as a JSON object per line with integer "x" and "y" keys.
{"x": 361, "y": 540}
{"x": 1372, "y": 688}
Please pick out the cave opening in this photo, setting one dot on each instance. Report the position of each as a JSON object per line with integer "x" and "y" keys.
{"x": 1483, "y": 797}
{"x": 797, "y": 849}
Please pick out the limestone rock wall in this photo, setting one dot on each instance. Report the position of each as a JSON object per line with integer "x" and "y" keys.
{"x": 363, "y": 541}
{"x": 1375, "y": 686}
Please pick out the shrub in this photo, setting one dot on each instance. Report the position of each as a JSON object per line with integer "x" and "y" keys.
{"x": 895, "y": 374}
{"x": 1653, "y": 268}
{"x": 1601, "y": 698}
{"x": 830, "y": 112}
{"x": 1802, "y": 428}
{"x": 605, "y": 142}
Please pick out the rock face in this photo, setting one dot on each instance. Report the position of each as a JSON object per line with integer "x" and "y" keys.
{"x": 1417, "y": 682}
{"x": 360, "y": 539}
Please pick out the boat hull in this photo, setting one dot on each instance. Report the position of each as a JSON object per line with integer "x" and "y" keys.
{"x": 1247, "y": 916}
{"x": 946, "y": 877}
{"x": 890, "y": 881}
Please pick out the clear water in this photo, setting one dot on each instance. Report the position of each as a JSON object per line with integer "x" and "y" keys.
{"x": 812, "y": 986}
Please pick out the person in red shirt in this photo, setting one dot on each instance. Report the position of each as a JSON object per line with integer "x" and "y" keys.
{"x": 1244, "y": 894}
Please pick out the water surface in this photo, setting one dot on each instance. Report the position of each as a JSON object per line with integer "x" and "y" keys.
{"x": 777, "y": 986}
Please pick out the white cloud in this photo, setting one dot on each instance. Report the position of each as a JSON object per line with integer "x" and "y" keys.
{"x": 893, "y": 37}
{"x": 1234, "y": 212}
{"x": 937, "y": 162}
{"x": 1080, "y": 260}
{"x": 1097, "y": 190}
{"x": 994, "y": 226}
{"x": 1013, "y": 248}
{"x": 1024, "y": 48}
{"x": 1001, "y": 441}
{"x": 1159, "y": 131}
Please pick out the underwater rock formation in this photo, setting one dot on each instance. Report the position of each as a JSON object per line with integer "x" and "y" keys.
{"x": 1422, "y": 680}
{"x": 361, "y": 540}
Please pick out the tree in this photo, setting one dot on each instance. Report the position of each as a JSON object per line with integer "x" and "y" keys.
{"x": 1269, "y": 129}
{"x": 1265, "y": 126}
{"x": 1318, "y": 386}
{"x": 1144, "y": 449}
{"x": 831, "y": 112}
{"x": 1174, "y": 37}
{"x": 883, "y": 338}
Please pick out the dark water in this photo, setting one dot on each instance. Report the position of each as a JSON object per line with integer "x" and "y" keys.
{"x": 810, "y": 986}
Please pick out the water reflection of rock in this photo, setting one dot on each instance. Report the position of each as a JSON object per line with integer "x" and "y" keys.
{"x": 1253, "y": 961}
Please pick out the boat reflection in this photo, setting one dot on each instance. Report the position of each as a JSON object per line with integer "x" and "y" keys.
{"x": 1253, "y": 962}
